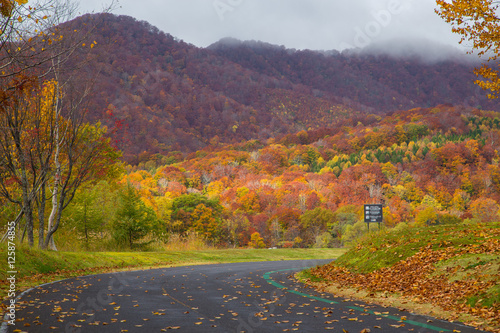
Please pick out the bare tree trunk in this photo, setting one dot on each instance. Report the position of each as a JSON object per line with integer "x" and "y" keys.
{"x": 41, "y": 216}
{"x": 55, "y": 201}
{"x": 27, "y": 202}
{"x": 85, "y": 220}
{"x": 56, "y": 221}
{"x": 57, "y": 177}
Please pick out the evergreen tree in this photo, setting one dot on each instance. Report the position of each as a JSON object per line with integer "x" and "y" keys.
{"x": 134, "y": 220}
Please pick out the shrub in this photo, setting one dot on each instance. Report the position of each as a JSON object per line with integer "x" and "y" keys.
{"x": 324, "y": 240}
{"x": 449, "y": 219}
{"x": 256, "y": 241}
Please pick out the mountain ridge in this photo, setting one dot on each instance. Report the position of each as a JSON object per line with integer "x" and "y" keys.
{"x": 168, "y": 95}
{"x": 399, "y": 48}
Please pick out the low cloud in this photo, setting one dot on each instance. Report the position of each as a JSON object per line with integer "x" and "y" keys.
{"x": 423, "y": 49}
{"x": 298, "y": 24}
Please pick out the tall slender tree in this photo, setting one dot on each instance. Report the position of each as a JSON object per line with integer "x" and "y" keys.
{"x": 47, "y": 149}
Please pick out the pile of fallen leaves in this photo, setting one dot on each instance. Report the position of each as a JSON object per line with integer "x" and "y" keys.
{"x": 418, "y": 278}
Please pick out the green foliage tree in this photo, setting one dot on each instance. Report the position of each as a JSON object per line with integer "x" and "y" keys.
{"x": 134, "y": 220}
{"x": 324, "y": 240}
{"x": 314, "y": 223}
{"x": 196, "y": 212}
{"x": 92, "y": 210}
{"x": 354, "y": 232}
{"x": 449, "y": 219}
{"x": 344, "y": 216}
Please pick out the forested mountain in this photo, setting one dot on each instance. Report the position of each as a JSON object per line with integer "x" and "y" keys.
{"x": 371, "y": 77}
{"x": 166, "y": 95}
{"x": 426, "y": 166}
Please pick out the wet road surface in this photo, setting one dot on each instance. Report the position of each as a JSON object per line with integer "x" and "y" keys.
{"x": 240, "y": 297}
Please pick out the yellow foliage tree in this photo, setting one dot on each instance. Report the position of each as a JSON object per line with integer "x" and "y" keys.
{"x": 485, "y": 210}
{"x": 256, "y": 241}
{"x": 204, "y": 222}
{"x": 6, "y": 6}
{"x": 428, "y": 216}
{"x": 46, "y": 152}
{"x": 477, "y": 21}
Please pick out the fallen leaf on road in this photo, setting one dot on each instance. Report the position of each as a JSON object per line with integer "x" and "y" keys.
{"x": 398, "y": 326}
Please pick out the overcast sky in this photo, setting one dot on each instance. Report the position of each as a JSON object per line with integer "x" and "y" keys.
{"x": 299, "y": 24}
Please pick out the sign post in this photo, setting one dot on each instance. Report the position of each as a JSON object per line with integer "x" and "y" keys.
{"x": 373, "y": 214}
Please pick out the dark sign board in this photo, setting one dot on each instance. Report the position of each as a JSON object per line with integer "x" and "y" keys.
{"x": 373, "y": 213}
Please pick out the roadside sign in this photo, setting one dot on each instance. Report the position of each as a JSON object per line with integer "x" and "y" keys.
{"x": 373, "y": 214}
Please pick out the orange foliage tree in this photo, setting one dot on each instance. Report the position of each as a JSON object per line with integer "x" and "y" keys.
{"x": 477, "y": 22}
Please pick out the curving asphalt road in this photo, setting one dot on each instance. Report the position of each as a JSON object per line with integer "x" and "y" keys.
{"x": 241, "y": 297}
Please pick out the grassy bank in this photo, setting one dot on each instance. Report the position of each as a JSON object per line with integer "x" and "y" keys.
{"x": 36, "y": 267}
{"x": 453, "y": 270}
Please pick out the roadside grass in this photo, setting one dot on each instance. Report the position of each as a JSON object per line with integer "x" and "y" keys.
{"x": 35, "y": 267}
{"x": 385, "y": 248}
{"x": 462, "y": 260}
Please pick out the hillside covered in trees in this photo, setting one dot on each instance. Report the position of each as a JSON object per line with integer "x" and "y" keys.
{"x": 426, "y": 165}
{"x": 165, "y": 95}
{"x": 249, "y": 144}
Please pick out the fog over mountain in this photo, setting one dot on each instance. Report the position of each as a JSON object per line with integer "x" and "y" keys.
{"x": 417, "y": 48}
{"x": 299, "y": 24}
{"x": 423, "y": 49}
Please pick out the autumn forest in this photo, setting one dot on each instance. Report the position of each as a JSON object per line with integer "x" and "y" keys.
{"x": 241, "y": 144}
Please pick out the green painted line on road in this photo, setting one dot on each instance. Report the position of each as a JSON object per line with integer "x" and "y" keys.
{"x": 267, "y": 277}
{"x": 312, "y": 297}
